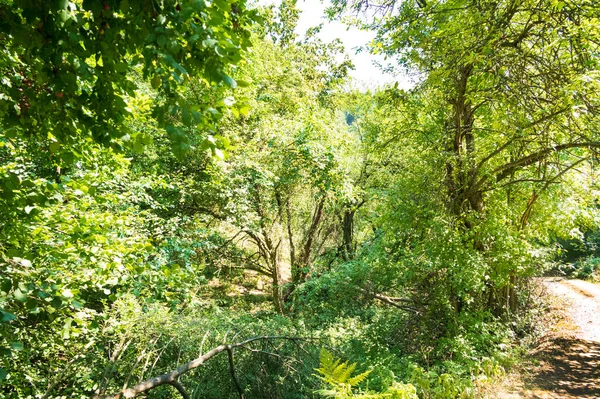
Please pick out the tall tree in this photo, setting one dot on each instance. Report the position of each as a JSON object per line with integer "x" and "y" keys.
{"x": 511, "y": 91}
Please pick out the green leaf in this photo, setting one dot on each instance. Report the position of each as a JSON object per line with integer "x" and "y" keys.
{"x": 155, "y": 82}
{"x": 121, "y": 67}
{"x": 66, "y": 332}
{"x": 213, "y": 111}
{"x": 7, "y": 317}
{"x": 209, "y": 42}
{"x": 245, "y": 110}
{"x": 223, "y": 5}
{"x": 63, "y": 15}
{"x": 228, "y": 80}
{"x": 53, "y": 147}
{"x": 77, "y": 304}
{"x": 175, "y": 134}
{"x": 57, "y": 302}
{"x": 31, "y": 304}
{"x": 19, "y": 296}
{"x": 186, "y": 116}
{"x": 6, "y": 286}
{"x": 17, "y": 346}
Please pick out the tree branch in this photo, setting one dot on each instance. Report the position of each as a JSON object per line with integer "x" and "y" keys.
{"x": 494, "y": 153}
{"x": 504, "y": 171}
{"x": 181, "y": 389}
{"x": 304, "y": 257}
{"x": 535, "y": 195}
{"x": 392, "y": 301}
{"x": 172, "y": 377}
{"x": 236, "y": 382}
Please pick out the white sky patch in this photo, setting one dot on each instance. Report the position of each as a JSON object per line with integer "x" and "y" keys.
{"x": 366, "y": 73}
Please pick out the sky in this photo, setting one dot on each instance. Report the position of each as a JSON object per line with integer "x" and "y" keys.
{"x": 366, "y": 73}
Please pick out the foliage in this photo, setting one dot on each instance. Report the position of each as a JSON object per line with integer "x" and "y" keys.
{"x": 427, "y": 384}
{"x": 161, "y": 339}
{"x": 67, "y": 66}
{"x": 339, "y": 376}
{"x": 395, "y": 228}
{"x": 77, "y": 255}
{"x": 494, "y": 128}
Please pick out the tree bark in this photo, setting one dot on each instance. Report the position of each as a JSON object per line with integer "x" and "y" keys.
{"x": 348, "y": 234}
{"x": 290, "y": 233}
{"x": 275, "y": 275}
{"x": 299, "y": 268}
{"x": 277, "y": 292}
{"x": 461, "y": 169}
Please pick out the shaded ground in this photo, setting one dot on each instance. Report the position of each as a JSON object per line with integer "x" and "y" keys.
{"x": 569, "y": 368}
{"x": 566, "y": 363}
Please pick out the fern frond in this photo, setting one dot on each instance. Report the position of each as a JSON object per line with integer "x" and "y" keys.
{"x": 339, "y": 377}
{"x": 357, "y": 379}
{"x": 339, "y": 371}
{"x": 326, "y": 360}
{"x": 346, "y": 372}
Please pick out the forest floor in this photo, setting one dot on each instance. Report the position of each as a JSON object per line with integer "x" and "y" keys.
{"x": 565, "y": 362}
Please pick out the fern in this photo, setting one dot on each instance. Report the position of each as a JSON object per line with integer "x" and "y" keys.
{"x": 338, "y": 376}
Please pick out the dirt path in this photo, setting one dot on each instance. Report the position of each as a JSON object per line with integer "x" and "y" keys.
{"x": 584, "y": 305}
{"x": 570, "y": 360}
{"x": 566, "y": 364}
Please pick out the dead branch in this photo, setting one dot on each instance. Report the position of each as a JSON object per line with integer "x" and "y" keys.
{"x": 172, "y": 378}
{"x": 393, "y": 302}
{"x": 236, "y": 382}
{"x": 177, "y": 385}
{"x": 400, "y": 303}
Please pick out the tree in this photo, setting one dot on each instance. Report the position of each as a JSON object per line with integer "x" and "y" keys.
{"x": 74, "y": 232}
{"x": 67, "y": 65}
{"x": 511, "y": 92}
{"x": 285, "y": 174}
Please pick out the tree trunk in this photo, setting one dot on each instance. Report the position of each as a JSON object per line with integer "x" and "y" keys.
{"x": 277, "y": 283}
{"x": 461, "y": 170}
{"x": 348, "y": 234}
{"x": 290, "y": 235}
{"x": 299, "y": 268}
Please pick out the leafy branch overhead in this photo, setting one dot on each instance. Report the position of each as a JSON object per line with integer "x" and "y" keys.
{"x": 67, "y": 66}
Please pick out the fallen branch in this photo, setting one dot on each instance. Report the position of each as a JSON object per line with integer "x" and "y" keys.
{"x": 172, "y": 378}
{"x": 181, "y": 389}
{"x": 394, "y": 302}
{"x": 236, "y": 382}
{"x": 400, "y": 303}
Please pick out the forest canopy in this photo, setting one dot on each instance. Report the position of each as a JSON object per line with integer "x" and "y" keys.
{"x": 196, "y": 200}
